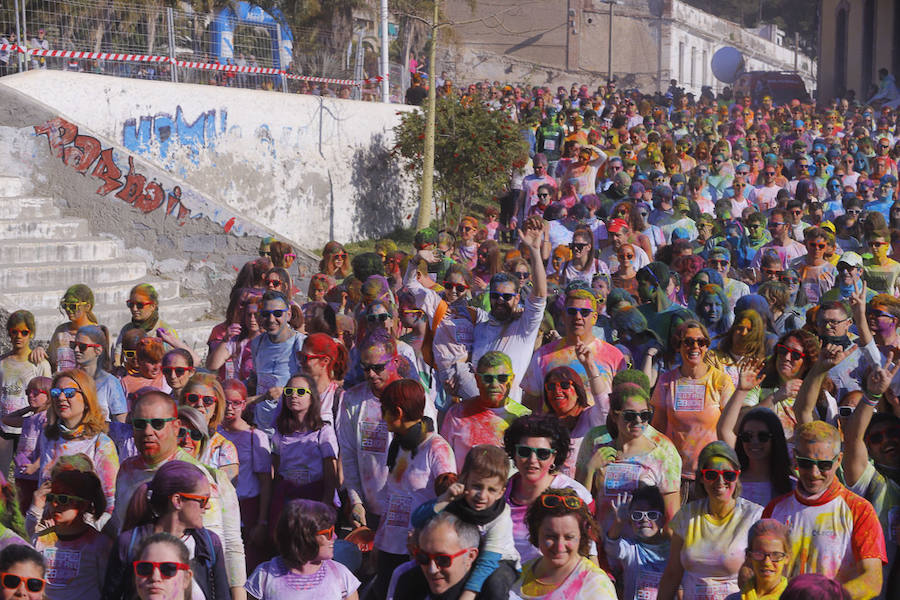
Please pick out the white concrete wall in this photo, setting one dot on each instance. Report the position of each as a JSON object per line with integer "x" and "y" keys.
{"x": 309, "y": 168}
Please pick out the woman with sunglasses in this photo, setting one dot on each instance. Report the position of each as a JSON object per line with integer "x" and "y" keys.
{"x": 882, "y": 273}
{"x": 177, "y": 368}
{"x": 635, "y": 455}
{"x": 421, "y": 467}
{"x": 304, "y": 447}
{"x": 560, "y": 524}
{"x": 22, "y": 573}
{"x": 335, "y": 262}
{"x": 143, "y": 303}
{"x": 467, "y": 248}
{"x": 204, "y": 394}
{"x": 173, "y": 503}
{"x": 162, "y": 571}
{"x": 91, "y": 350}
{"x": 584, "y": 263}
{"x": 305, "y": 565}
{"x": 229, "y": 341}
{"x": 564, "y": 395}
{"x": 538, "y": 446}
{"x": 16, "y": 370}
{"x": 688, "y": 400}
{"x": 709, "y": 533}
{"x": 75, "y": 424}
{"x": 325, "y": 361}
{"x": 193, "y": 436}
{"x": 74, "y": 551}
{"x": 77, "y": 304}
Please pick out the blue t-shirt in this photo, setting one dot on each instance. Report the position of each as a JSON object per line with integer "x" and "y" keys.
{"x": 110, "y": 394}
{"x": 274, "y": 363}
{"x": 642, "y": 565}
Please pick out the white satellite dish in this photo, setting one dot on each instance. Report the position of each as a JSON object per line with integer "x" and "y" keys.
{"x": 727, "y": 64}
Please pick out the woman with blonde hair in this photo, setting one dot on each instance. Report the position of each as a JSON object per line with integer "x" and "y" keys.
{"x": 75, "y": 424}
{"x": 205, "y": 394}
{"x": 77, "y": 304}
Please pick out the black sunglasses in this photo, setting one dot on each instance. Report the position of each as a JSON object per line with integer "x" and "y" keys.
{"x": 195, "y": 435}
{"x": 584, "y": 312}
{"x": 762, "y": 436}
{"x": 809, "y": 463}
{"x": 157, "y": 424}
{"x": 495, "y": 296}
{"x": 32, "y": 584}
{"x": 632, "y": 416}
{"x": 375, "y": 367}
{"x": 264, "y": 314}
{"x": 489, "y": 378}
{"x": 379, "y": 318}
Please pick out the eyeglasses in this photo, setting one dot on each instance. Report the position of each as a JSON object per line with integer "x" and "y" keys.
{"x": 32, "y": 584}
{"x": 203, "y": 501}
{"x": 71, "y": 306}
{"x": 82, "y": 346}
{"x": 64, "y": 499}
{"x": 691, "y": 342}
{"x": 129, "y": 353}
{"x": 19, "y": 333}
{"x": 185, "y": 433}
{"x": 459, "y": 287}
{"x": 772, "y": 272}
{"x": 329, "y": 533}
{"x": 787, "y": 351}
{"x": 543, "y": 195}
{"x": 554, "y": 500}
{"x": 845, "y": 411}
{"x": 197, "y": 398}
{"x": 157, "y": 424}
{"x": 525, "y": 452}
{"x": 775, "y": 224}
{"x": 274, "y": 282}
{"x": 176, "y": 371}
{"x": 375, "y": 367}
{"x": 817, "y": 245}
{"x": 497, "y": 296}
{"x": 523, "y": 275}
{"x": 873, "y": 313}
{"x": 69, "y": 392}
{"x": 137, "y": 305}
{"x": 441, "y": 561}
{"x": 759, "y": 555}
{"x": 341, "y": 255}
{"x": 379, "y": 318}
{"x": 299, "y": 392}
{"x": 808, "y": 463}
{"x": 167, "y": 570}
{"x": 584, "y": 312}
{"x": 650, "y": 515}
{"x": 561, "y": 385}
{"x": 307, "y": 357}
{"x": 854, "y": 211}
{"x": 880, "y": 436}
{"x": 718, "y": 263}
{"x": 578, "y": 247}
{"x": 633, "y": 416}
{"x": 877, "y": 244}
{"x": 265, "y": 314}
{"x": 489, "y": 378}
{"x": 727, "y": 475}
{"x": 770, "y": 173}
{"x": 832, "y": 323}
{"x": 761, "y": 436}
{"x": 627, "y": 256}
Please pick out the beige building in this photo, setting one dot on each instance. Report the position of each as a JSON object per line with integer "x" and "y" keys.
{"x": 556, "y": 42}
{"x": 856, "y": 38}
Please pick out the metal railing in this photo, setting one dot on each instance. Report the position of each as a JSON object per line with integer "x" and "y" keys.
{"x": 246, "y": 48}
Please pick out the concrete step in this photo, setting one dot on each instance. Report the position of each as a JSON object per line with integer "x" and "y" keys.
{"x": 196, "y": 334}
{"x": 57, "y": 229}
{"x": 180, "y": 313}
{"x": 31, "y": 207}
{"x": 28, "y": 275}
{"x": 12, "y": 186}
{"x": 77, "y": 249}
{"x": 115, "y": 293}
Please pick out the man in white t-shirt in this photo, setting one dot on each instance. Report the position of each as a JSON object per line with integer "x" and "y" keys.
{"x": 528, "y": 196}
{"x": 763, "y": 196}
{"x": 782, "y": 245}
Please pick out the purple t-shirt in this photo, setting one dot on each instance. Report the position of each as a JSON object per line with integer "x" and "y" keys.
{"x": 254, "y": 456}
{"x": 301, "y": 453}
{"x": 27, "y": 451}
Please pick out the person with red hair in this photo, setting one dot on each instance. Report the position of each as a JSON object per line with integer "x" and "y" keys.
{"x": 325, "y": 361}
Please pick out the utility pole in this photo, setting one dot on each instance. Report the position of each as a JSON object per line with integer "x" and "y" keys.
{"x": 385, "y": 62}
{"x": 609, "y": 38}
{"x": 427, "y": 198}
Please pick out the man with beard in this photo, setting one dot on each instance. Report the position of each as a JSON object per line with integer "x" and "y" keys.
{"x": 505, "y": 328}
{"x": 579, "y": 318}
{"x": 834, "y": 532}
{"x": 876, "y": 435}
{"x": 484, "y": 418}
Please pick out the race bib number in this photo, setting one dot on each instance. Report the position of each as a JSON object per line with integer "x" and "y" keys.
{"x": 690, "y": 396}
{"x": 298, "y": 476}
{"x": 374, "y": 436}
{"x": 711, "y": 591}
{"x": 646, "y": 584}
{"x": 549, "y": 144}
{"x": 621, "y": 477}
{"x": 399, "y": 510}
{"x": 65, "y": 359}
{"x": 62, "y": 565}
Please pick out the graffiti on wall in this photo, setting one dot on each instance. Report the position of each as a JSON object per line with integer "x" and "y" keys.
{"x": 85, "y": 155}
{"x": 160, "y": 131}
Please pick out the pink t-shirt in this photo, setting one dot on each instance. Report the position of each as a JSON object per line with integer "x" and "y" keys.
{"x": 301, "y": 453}
{"x": 468, "y": 424}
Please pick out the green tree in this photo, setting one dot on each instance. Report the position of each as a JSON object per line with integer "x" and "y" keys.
{"x": 475, "y": 151}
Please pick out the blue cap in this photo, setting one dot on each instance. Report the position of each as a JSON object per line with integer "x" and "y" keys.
{"x": 799, "y": 123}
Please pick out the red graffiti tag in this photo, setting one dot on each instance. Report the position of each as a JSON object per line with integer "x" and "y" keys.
{"x": 82, "y": 154}
{"x": 59, "y": 132}
{"x": 107, "y": 170}
{"x": 229, "y": 224}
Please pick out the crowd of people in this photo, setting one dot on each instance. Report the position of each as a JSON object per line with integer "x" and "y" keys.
{"x": 664, "y": 365}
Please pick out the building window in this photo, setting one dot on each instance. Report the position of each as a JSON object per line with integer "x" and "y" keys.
{"x": 680, "y": 62}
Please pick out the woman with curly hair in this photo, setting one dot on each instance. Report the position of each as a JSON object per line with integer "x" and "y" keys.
{"x": 538, "y": 446}
{"x": 560, "y": 524}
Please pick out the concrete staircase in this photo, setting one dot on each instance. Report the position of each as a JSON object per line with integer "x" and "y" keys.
{"x": 43, "y": 252}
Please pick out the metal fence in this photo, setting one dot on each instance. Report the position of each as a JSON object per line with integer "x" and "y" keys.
{"x": 249, "y": 48}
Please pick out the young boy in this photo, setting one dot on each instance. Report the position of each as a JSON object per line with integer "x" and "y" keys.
{"x": 477, "y": 498}
{"x": 641, "y": 558}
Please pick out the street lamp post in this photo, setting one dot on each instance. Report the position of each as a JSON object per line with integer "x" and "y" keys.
{"x": 609, "y": 53}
